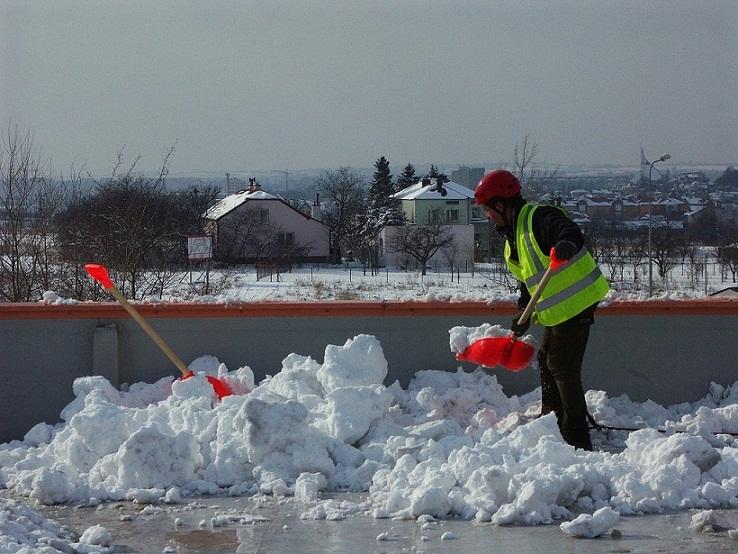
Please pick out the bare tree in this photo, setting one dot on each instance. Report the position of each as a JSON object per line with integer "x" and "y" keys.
{"x": 666, "y": 245}
{"x": 615, "y": 247}
{"x": 450, "y": 252}
{"x": 693, "y": 262}
{"x": 421, "y": 242}
{"x": 344, "y": 194}
{"x": 532, "y": 179}
{"x": 128, "y": 222}
{"x": 728, "y": 258}
{"x": 29, "y": 201}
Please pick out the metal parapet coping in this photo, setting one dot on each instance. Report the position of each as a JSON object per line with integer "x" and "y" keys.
{"x": 108, "y": 310}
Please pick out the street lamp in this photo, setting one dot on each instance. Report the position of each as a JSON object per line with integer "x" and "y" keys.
{"x": 650, "y": 223}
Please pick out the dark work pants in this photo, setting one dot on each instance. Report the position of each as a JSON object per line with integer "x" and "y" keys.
{"x": 560, "y": 360}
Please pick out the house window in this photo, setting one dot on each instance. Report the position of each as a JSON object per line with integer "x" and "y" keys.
{"x": 452, "y": 216}
{"x": 286, "y": 239}
{"x": 435, "y": 216}
{"x": 263, "y": 216}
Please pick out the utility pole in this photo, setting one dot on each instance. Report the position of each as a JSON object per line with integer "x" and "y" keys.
{"x": 286, "y": 182}
{"x": 650, "y": 224}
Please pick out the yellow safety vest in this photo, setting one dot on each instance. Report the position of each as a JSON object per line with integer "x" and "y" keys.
{"x": 573, "y": 287}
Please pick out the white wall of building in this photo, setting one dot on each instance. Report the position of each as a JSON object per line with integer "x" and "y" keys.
{"x": 461, "y": 253}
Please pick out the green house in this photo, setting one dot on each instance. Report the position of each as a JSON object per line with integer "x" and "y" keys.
{"x": 426, "y": 202}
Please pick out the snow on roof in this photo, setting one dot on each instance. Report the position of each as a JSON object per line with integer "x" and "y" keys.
{"x": 671, "y": 202}
{"x": 695, "y": 210}
{"x": 591, "y": 202}
{"x": 233, "y": 201}
{"x": 420, "y": 192}
{"x": 730, "y": 292}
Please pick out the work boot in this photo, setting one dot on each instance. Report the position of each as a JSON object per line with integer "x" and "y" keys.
{"x": 578, "y": 437}
{"x": 550, "y": 398}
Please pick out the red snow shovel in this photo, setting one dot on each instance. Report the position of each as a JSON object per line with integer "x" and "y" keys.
{"x": 100, "y": 274}
{"x": 508, "y": 352}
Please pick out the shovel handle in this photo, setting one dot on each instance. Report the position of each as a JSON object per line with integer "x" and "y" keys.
{"x": 556, "y": 262}
{"x": 100, "y": 274}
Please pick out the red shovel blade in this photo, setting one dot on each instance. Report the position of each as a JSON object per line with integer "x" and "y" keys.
{"x": 100, "y": 274}
{"x": 220, "y": 388}
{"x": 508, "y": 352}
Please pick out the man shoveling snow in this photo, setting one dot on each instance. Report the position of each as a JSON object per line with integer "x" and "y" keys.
{"x": 545, "y": 251}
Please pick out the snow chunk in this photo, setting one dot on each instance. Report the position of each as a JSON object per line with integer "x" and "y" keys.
{"x": 360, "y": 361}
{"x": 707, "y": 521}
{"x": 96, "y": 535}
{"x": 590, "y": 526}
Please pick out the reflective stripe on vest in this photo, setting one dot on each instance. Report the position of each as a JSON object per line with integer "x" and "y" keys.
{"x": 573, "y": 287}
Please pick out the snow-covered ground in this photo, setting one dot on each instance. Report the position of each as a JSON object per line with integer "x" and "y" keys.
{"x": 451, "y": 444}
{"x": 309, "y": 283}
{"x": 488, "y": 282}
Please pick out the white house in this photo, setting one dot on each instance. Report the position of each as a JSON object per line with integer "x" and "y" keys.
{"x": 426, "y": 202}
{"x": 253, "y": 225}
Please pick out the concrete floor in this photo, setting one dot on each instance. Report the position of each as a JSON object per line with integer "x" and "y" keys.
{"x": 282, "y": 531}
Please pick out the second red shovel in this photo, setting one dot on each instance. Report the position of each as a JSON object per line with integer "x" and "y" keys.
{"x": 509, "y": 352}
{"x": 100, "y": 274}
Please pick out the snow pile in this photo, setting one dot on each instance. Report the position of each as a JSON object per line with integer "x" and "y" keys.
{"x": 450, "y": 444}
{"x": 24, "y": 531}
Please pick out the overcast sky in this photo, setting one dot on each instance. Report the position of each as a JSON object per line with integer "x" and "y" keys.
{"x": 308, "y": 83}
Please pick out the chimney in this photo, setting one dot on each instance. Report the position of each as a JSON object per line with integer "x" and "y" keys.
{"x": 315, "y": 208}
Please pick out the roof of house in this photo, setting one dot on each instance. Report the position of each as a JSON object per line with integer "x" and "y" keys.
{"x": 233, "y": 201}
{"x": 730, "y": 292}
{"x": 455, "y": 191}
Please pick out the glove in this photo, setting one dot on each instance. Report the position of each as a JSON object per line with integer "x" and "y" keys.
{"x": 519, "y": 330}
{"x": 565, "y": 250}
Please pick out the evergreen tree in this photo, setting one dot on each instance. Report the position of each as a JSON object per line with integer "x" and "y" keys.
{"x": 406, "y": 178}
{"x": 728, "y": 180}
{"x": 382, "y": 209}
{"x": 434, "y": 174}
{"x": 381, "y": 186}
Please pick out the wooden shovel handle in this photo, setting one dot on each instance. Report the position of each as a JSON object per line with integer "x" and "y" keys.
{"x": 555, "y": 263}
{"x": 149, "y": 331}
{"x": 536, "y": 295}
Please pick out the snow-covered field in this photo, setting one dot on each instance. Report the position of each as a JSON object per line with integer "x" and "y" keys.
{"x": 309, "y": 283}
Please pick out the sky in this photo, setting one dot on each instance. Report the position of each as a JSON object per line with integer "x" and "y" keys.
{"x": 259, "y": 85}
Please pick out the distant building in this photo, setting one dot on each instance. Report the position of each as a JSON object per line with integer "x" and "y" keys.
{"x": 645, "y": 167}
{"x": 233, "y": 185}
{"x": 467, "y": 176}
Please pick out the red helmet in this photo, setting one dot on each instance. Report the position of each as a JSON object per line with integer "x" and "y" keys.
{"x": 498, "y": 183}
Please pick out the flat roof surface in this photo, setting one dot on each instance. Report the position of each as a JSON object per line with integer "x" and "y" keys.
{"x": 280, "y": 529}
